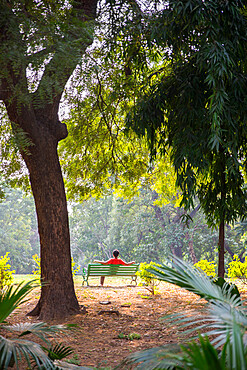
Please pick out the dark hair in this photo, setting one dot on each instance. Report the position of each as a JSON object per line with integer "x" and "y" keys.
{"x": 115, "y": 253}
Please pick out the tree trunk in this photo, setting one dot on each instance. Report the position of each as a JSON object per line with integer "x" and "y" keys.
{"x": 191, "y": 249}
{"x": 58, "y": 297}
{"x": 221, "y": 250}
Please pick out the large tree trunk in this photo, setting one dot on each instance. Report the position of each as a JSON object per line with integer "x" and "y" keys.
{"x": 57, "y": 295}
{"x": 221, "y": 250}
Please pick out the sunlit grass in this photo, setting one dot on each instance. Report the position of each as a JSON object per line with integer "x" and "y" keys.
{"x": 18, "y": 278}
{"x": 93, "y": 281}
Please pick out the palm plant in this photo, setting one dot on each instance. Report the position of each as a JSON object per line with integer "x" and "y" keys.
{"x": 12, "y": 351}
{"x": 225, "y": 321}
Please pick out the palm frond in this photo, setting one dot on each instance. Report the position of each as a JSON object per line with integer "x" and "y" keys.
{"x": 224, "y": 318}
{"x": 40, "y": 329}
{"x": 14, "y": 350}
{"x": 163, "y": 357}
{"x": 203, "y": 356}
{"x": 58, "y": 351}
{"x": 236, "y": 351}
{"x": 186, "y": 276}
{"x": 219, "y": 320}
{"x": 62, "y": 365}
{"x": 13, "y": 296}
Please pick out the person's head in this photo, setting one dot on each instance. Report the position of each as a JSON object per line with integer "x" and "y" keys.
{"x": 115, "y": 253}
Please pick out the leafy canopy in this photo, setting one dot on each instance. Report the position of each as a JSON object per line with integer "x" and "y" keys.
{"x": 197, "y": 104}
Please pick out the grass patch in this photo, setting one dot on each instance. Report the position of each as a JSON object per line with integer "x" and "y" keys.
{"x": 18, "y": 278}
{"x": 109, "y": 281}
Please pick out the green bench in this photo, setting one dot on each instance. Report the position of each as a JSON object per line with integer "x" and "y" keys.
{"x": 96, "y": 269}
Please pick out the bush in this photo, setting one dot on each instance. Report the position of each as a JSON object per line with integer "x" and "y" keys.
{"x": 237, "y": 269}
{"x": 208, "y": 267}
{"x": 149, "y": 279}
{"x": 6, "y": 277}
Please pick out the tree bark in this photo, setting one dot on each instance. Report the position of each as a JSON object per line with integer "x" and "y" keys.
{"x": 221, "y": 244}
{"x": 58, "y": 297}
{"x": 191, "y": 247}
{"x": 221, "y": 250}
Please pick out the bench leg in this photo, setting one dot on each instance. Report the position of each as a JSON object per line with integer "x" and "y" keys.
{"x": 85, "y": 281}
{"x": 102, "y": 279}
{"x": 134, "y": 279}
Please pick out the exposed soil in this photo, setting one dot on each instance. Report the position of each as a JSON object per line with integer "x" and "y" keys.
{"x": 94, "y": 334}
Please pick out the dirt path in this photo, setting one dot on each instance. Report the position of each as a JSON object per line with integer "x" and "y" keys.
{"x": 114, "y": 311}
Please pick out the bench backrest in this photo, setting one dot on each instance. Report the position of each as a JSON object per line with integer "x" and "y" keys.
{"x": 96, "y": 269}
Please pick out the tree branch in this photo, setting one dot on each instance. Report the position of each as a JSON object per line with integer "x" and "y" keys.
{"x": 69, "y": 50}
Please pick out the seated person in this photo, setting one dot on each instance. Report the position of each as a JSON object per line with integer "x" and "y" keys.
{"x": 113, "y": 261}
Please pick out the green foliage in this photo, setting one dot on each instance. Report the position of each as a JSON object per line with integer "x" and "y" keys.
{"x": 142, "y": 230}
{"x": 36, "y": 258}
{"x": 223, "y": 284}
{"x": 224, "y": 319}
{"x": 74, "y": 268}
{"x": 18, "y": 229}
{"x": 58, "y": 351}
{"x": 75, "y": 360}
{"x": 12, "y": 349}
{"x": 149, "y": 279}
{"x": 208, "y": 267}
{"x": 194, "y": 104}
{"x": 130, "y": 336}
{"x": 237, "y": 269}
{"x": 6, "y": 277}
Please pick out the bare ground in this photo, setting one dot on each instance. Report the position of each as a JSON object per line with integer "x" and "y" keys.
{"x": 117, "y": 309}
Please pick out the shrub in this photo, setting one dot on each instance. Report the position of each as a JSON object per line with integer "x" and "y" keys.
{"x": 208, "y": 267}
{"x": 237, "y": 269}
{"x": 6, "y": 277}
{"x": 149, "y": 279}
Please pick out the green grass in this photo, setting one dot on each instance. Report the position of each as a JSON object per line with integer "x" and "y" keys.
{"x": 93, "y": 281}
{"x": 18, "y": 278}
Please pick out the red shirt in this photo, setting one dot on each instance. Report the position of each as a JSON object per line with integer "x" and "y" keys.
{"x": 115, "y": 261}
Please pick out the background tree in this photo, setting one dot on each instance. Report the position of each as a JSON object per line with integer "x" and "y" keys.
{"x": 143, "y": 228}
{"x": 196, "y": 105}
{"x": 18, "y": 230}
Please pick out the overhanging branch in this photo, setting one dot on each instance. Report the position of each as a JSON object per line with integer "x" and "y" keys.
{"x": 69, "y": 50}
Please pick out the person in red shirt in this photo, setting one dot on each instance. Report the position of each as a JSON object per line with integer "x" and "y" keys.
{"x": 113, "y": 261}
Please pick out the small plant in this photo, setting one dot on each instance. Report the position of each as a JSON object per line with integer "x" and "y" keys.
{"x": 237, "y": 269}
{"x": 74, "y": 360}
{"x": 6, "y": 277}
{"x": 149, "y": 279}
{"x": 208, "y": 267}
{"x": 130, "y": 336}
{"x": 58, "y": 351}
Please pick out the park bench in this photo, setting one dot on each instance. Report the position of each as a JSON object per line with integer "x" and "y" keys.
{"x": 96, "y": 269}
